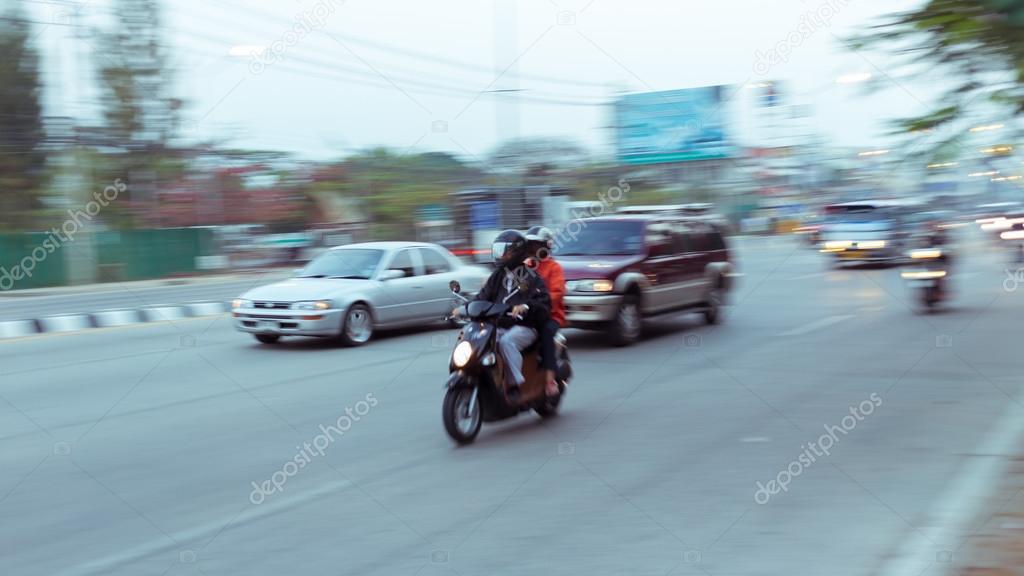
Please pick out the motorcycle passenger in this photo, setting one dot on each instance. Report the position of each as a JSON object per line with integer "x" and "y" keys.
{"x": 541, "y": 241}
{"x": 513, "y": 283}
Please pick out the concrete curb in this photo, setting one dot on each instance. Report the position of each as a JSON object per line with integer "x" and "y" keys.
{"x": 109, "y": 318}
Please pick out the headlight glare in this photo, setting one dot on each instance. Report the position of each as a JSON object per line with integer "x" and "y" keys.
{"x": 314, "y": 305}
{"x": 594, "y": 286}
{"x": 837, "y": 244}
{"x": 462, "y": 353}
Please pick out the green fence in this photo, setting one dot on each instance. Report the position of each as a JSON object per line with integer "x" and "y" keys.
{"x": 37, "y": 260}
{"x": 30, "y": 261}
{"x": 144, "y": 254}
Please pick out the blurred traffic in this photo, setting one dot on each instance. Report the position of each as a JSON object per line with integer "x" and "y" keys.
{"x": 636, "y": 254}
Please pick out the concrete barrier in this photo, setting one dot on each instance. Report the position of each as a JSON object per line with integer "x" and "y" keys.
{"x": 195, "y": 309}
{"x": 163, "y": 313}
{"x": 111, "y": 318}
{"x": 17, "y": 328}
{"x": 69, "y": 323}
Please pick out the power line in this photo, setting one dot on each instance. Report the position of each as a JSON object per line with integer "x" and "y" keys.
{"x": 375, "y": 73}
{"x": 419, "y": 55}
{"x": 321, "y": 69}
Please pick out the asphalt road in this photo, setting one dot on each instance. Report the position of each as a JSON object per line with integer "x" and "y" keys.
{"x": 134, "y": 450}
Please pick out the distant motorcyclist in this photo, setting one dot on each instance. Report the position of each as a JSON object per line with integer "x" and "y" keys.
{"x": 515, "y": 284}
{"x": 541, "y": 240}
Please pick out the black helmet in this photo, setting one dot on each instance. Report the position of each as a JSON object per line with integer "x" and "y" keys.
{"x": 509, "y": 249}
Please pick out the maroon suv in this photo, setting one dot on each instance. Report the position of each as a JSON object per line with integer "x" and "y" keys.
{"x": 622, "y": 269}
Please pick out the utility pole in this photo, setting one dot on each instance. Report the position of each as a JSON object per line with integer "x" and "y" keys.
{"x": 506, "y": 57}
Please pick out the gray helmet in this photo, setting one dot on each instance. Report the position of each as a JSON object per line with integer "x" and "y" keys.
{"x": 542, "y": 235}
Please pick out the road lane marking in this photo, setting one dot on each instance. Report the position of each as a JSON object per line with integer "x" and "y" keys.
{"x": 816, "y": 325}
{"x": 201, "y": 534}
{"x": 808, "y": 276}
{"x": 951, "y": 515}
{"x": 755, "y": 440}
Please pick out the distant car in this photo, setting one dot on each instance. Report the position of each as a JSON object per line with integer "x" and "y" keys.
{"x": 620, "y": 270}
{"x": 350, "y": 291}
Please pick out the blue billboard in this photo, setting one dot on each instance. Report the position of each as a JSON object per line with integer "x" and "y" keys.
{"x": 671, "y": 126}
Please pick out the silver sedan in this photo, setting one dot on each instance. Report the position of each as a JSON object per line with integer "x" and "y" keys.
{"x": 350, "y": 291}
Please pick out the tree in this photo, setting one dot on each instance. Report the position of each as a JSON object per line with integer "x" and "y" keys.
{"x": 22, "y": 160}
{"x": 980, "y": 42}
{"x": 140, "y": 115}
{"x": 537, "y": 159}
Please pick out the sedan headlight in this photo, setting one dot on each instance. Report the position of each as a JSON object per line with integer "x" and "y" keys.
{"x": 463, "y": 352}
{"x": 593, "y": 286}
{"x": 240, "y": 303}
{"x": 871, "y": 244}
{"x": 315, "y": 305}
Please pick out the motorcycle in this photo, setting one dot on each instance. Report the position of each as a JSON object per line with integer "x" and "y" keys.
{"x": 476, "y": 387}
{"x": 926, "y": 274}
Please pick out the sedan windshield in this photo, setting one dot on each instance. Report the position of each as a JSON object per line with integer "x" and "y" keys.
{"x": 346, "y": 263}
{"x": 607, "y": 238}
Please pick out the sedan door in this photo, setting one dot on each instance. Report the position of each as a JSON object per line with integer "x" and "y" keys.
{"x": 404, "y": 296}
{"x": 438, "y": 272}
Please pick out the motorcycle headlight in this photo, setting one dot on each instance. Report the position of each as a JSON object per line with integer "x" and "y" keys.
{"x": 462, "y": 353}
{"x": 314, "y": 305}
{"x": 241, "y": 303}
{"x": 593, "y": 286}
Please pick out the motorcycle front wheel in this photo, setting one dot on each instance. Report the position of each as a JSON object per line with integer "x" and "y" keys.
{"x": 461, "y": 414}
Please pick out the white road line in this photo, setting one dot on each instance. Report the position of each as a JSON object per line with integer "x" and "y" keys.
{"x": 807, "y": 276}
{"x": 197, "y": 534}
{"x": 951, "y": 515}
{"x": 816, "y": 325}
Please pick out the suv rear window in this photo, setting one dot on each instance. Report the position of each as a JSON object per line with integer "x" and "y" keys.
{"x": 601, "y": 238}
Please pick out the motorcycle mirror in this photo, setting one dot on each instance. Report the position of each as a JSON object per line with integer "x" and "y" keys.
{"x": 455, "y": 286}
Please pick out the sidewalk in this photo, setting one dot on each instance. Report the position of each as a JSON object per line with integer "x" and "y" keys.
{"x": 271, "y": 273}
{"x": 995, "y": 546}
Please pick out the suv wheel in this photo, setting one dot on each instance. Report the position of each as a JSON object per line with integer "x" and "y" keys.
{"x": 628, "y": 324}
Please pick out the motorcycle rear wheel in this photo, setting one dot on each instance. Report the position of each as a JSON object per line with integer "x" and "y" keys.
{"x": 548, "y": 407}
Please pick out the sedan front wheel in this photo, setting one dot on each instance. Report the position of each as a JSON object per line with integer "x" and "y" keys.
{"x": 357, "y": 327}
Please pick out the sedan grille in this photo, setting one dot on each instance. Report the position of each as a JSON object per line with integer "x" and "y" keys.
{"x": 273, "y": 305}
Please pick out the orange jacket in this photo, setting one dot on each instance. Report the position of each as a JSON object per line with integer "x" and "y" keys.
{"x": 551, "y": 272}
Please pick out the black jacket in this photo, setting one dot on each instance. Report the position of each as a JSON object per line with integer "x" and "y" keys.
{"x": 528, "y": 289}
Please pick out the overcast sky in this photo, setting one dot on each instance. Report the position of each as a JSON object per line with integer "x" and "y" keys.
{"x": 417, "y": 75}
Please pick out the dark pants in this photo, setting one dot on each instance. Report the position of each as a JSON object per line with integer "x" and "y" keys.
{"x": 547, "y": 345}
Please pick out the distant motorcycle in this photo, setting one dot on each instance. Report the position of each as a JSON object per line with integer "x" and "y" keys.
{"x": 926, "y": 274}
{"x": 476, "y": 388}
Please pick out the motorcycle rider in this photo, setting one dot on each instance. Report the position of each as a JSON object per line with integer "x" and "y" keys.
{"x": 513, "y": 283}
{"x": 541, "y": 242}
